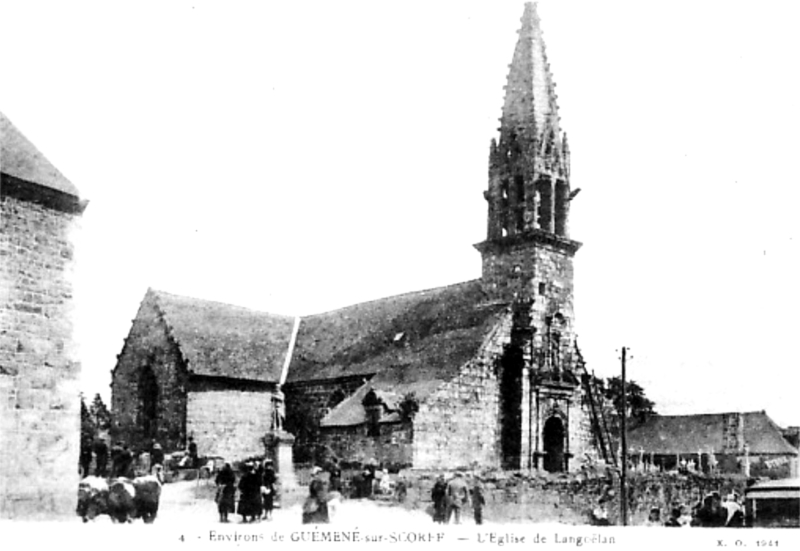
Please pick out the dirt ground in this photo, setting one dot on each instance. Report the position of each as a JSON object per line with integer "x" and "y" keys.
{"x": 187, "y": 502}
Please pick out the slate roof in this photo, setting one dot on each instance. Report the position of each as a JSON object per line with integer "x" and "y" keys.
{"x": 351, "y": 412}
{"x": 221, "y": 340}
{"x": 412, "y": 341}
{"x": 673, "y": 434}
{"x": 21, "y": 159}
{"x": 409, "y": 343}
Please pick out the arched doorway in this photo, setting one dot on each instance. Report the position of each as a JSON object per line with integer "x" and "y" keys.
{"x": 554, "y": 445}
{"x": 148, "y": 403}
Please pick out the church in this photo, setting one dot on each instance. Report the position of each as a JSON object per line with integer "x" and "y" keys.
{"x": 481, "y": 373}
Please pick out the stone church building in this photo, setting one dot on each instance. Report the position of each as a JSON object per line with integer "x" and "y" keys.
{"x": 483, "y": 372}
{"x": 200, "y": 369}
{"x": 39, "y": 395}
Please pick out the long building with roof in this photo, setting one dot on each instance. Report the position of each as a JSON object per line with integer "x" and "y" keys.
{"x": 39, "y": 396}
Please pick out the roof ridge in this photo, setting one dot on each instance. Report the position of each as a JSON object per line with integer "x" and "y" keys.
{"x": 158, "y": 292}
{"x": 400, "y": 295}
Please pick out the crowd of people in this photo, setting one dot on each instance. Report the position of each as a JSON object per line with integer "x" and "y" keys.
{"x": 451, "y": 498}
{"x": 96, "y": 458}
{"x": 256, "y": 488}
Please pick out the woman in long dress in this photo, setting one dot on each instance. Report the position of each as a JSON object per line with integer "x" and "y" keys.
{"x": 249, "y": 495}
{"x": 226, "y": 492}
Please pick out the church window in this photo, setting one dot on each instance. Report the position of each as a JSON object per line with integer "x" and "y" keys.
{"x": 544, "y": 192}
{"x": 561, "y": 208}
{"x": 519, "y": 207}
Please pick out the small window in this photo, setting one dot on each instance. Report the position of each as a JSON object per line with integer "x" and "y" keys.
{"x": 542, "y": 287}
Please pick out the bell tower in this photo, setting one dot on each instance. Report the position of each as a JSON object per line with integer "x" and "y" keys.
{"x": 528, "y": 261}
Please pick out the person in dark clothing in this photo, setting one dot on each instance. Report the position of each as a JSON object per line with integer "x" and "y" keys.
{"x": 126, "y": 463}
{"x": 315, "y": 507}
{"x": 101, "y": 458}
{"x": 439, "y": 498}
{"x": 335, "y": 480}
{"x": 156, "y": 455}
{"x": 86, "y": 456}
{"x": 268, "y": 488}
{"x": 674, "y": 518}
{"x": 192, "y": 449}
{"x": 249, "y": 495}
{"x": 226, "y": 492}
{"x": 116, "y": 454}
{"x": 369, "y": 478}
{"x": 478, "y": 501}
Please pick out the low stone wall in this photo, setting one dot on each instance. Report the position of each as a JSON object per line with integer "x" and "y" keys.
{"x": 570, "y": 499}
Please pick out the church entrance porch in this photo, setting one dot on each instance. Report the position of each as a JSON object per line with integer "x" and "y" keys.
{"x": 553, "y": 440}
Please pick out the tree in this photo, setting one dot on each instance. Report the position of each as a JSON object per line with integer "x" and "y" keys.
{"x": 637, "y": 408}
{"x": 101, "y": 417}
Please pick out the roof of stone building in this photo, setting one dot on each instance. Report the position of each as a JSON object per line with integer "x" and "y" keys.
{"x": 672, "y": 434}
{"x": 221, "y": 340}
{"x": 415, "y": 340}
{"x": 351, "y": 411}
{"x": 21, "y": 159}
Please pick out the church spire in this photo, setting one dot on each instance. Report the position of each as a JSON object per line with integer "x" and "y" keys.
{"x": 530, "y": 104}
{"x": 528, "y": 196}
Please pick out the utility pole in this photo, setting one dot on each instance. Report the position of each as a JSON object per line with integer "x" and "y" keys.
{"x": 623, "y": 494}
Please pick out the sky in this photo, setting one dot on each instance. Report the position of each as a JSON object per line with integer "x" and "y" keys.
{"x": 299, "y": 157}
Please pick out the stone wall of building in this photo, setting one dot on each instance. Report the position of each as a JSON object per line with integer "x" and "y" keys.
{"x": 39, "y": 395}
{"x": 149, "y": 346}
{"x": 392, "y": 447}
{"x": 229, "y": 423}
{"x": 308, "y": 402}
{"x": 457, "y": 425}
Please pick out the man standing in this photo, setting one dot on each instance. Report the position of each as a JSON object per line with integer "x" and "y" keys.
{"x": 192, "y": 449}
{"x": 439, "y": 498}
{"x": 157, "y": 455}
{"x": 101, "y": 457}
{"x": 457, "y": 497}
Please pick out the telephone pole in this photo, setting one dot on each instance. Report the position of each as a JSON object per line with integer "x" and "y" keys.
{"x": 623, "y": 493}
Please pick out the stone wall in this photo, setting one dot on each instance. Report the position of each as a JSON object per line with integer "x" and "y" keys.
{"x": 458, "y": 425}
{"x": 39, "y": 396}
{"x": 569, "y": 499}
{"x": 229, "y": 423}
{"x": 149, "y": 346}
{"x": 392, "y": 447}
{"x": 313, "y": 400}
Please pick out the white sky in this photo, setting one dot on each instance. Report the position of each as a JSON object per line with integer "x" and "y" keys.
{"x": 301, "y": 156}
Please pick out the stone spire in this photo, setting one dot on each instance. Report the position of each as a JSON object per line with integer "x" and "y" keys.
{"x": 528, "y": 195}
{"x": 530, "y": 112}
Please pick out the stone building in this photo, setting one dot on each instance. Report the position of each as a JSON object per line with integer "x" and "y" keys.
{"x": 39, "y": 396}
{"x": 201, "y": 369}
{"x": 748, "y": 443}
{"x": 490, "y": 366}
